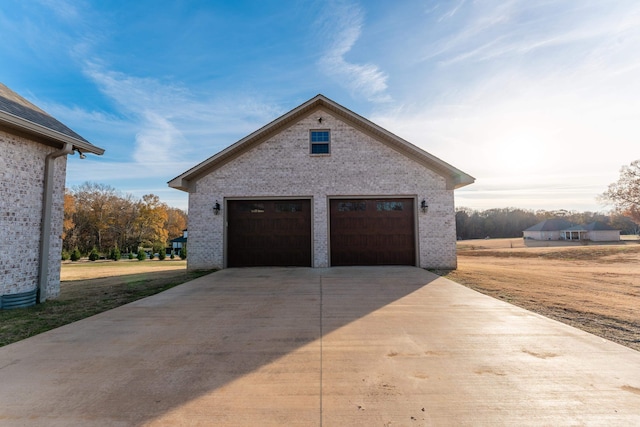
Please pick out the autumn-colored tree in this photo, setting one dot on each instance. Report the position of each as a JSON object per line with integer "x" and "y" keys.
{"x": 122, "y": 226}
{"x": 69, "y": 210}
{"x": 176, "y": 222}
{"x": 152, "y": 216}
{"x": 624, "y": 194}
{"x": 94, "y": 214}
{"x": 97, "y": 215}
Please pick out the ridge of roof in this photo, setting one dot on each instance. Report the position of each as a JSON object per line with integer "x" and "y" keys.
{"x": 455, "y": 178}
{"x": 553, "y": 224}
{"x": 559, "y": 224}
{"x": 600, "y": 226}
{"x": 16, "y": 112}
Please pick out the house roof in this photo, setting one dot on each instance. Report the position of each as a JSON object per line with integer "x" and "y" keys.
{"x": 19, "y": 114}
{"x": 555, "y": 224}
{"x": 455, "y": 177}
{"x": 179, "y": 239}
{"x": 593, "y": 226}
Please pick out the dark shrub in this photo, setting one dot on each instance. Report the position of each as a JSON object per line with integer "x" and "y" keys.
{"x": 65, "y": 255}
{"x": 115, "y": 254}
{"x": 94, "y": 255}
{"x": 141, "y": 255}
{"x": 183, "y": 253}
{"x": 75, "y": 255}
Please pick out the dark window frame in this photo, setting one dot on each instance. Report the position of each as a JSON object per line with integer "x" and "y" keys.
{"x": 318, "y": 145}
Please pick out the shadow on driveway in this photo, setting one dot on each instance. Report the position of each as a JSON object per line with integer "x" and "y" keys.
{"x": 135, "y": 363}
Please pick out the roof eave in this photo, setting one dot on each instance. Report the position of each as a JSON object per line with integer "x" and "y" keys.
{"x": 19, "y": 123}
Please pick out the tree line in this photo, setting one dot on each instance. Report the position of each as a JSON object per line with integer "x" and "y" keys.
{"x": 623, "y": 194}
{"x": 510, "y": 222}
{"x": 97, "y": 216}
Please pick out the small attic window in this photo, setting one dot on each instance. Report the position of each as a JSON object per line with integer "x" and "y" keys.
{"x": 320, "y": 140}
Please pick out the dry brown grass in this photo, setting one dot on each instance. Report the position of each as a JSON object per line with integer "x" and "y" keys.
{"x": 84, "y": 269}
{"x": 594, "y": 288}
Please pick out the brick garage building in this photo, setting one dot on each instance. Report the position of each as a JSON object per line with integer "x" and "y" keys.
{"x": 321, "y": 186}
{"x": 33, "y": 159}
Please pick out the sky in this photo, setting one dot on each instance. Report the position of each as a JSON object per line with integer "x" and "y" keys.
{"x": 538, "y": 100}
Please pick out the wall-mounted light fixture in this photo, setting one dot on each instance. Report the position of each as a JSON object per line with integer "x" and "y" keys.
{"x": 320, "y": 120}
{"x": 424, "y": 206}
{"x": 216, "y": 208}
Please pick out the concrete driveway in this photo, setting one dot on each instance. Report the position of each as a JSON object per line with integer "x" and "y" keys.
{"x": 380, "y": 346}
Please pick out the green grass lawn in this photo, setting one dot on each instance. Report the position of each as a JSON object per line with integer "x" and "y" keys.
{"x": 83, "y": 298}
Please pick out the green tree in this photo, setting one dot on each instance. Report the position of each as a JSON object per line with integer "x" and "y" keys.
{"x": 115, "y": 254}
{"x": 183, "y": 253}
{"x": 94, "y": 255}
{"x": 141, "y": 255}
{"x": 76, "y": 255}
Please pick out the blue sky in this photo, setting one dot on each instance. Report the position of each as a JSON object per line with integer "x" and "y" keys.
{"x": 539, "y": 100}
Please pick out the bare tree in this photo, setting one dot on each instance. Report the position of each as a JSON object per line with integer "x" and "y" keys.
{"x": 625, "y": 193}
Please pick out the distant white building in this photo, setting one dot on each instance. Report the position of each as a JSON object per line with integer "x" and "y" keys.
{"x": 595, "y": 231}
{"x": 560, "y": 229}
{"x": 549, "y": 229}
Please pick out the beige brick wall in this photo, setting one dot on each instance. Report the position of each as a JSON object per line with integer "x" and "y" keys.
{"x": 21, "y": 185}
{"x": 358, "y": 165}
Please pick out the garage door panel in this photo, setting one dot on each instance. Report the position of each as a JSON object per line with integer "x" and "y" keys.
{"x": 372, "y": 232}
{"x": 269, "y": 233}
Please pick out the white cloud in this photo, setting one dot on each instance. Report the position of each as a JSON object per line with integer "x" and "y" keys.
{"x": 67, "y": 10}
{"x": 452, "y": 11}
{"x": 542, "y": 108}
{"x": 564, "y": 136}
{"x": 341, "y": 28}
{"x": 171, "y": 123}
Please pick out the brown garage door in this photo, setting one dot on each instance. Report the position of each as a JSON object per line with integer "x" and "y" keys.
{"x": 269, "y": 233}
{"x": 372, "y": 232}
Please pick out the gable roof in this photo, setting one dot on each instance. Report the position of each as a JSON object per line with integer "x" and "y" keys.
{"x": 19, "y": 114}
{"x": 555, "y": 224}
{"x": 455, "y": 178}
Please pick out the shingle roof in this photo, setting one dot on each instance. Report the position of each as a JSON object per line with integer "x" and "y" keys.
{"x": 555, "y": 224}
{"x": 593, "y": 226}
{"x": 17, "y": 112}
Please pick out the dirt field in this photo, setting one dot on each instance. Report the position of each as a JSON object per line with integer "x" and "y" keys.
{"x": 595, "y": 288}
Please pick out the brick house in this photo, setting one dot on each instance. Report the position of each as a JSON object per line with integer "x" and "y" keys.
{"x": 321, "y": 186}
{"x": 561, "y": 229}
{"x": 33, "y": 159}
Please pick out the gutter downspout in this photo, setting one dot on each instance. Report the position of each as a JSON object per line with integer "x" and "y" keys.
{"x": 45, "y": 229}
